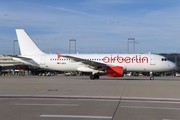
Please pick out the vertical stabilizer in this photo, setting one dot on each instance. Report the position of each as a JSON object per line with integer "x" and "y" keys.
{"x": 26, "y": 44}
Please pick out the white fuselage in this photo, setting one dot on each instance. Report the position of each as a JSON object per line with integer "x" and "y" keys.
{"x": 129, "y": 62}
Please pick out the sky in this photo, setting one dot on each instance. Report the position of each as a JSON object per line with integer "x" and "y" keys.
{"x": 98, "y": 26}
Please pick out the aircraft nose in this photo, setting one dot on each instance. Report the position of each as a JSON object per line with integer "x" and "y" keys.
{"x": 172, "y": 66}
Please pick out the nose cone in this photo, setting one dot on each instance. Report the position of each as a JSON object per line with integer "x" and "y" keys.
{"x": 171, "y": 66}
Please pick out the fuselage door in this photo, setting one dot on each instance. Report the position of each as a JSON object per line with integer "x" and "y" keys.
{"x": 152, "y": 60}
{"x": 42, "y": 61}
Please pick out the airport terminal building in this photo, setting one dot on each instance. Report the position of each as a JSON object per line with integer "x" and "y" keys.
{"x": 10, "y": 67}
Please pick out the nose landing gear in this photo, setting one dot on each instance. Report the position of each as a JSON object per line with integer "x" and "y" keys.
{"x": 151, "y": 76}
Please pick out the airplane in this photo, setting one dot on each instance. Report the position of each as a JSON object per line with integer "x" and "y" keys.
{"x": 112, "y": 65}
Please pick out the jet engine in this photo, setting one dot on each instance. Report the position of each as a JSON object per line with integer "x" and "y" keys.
{"x": 114, "y": 71}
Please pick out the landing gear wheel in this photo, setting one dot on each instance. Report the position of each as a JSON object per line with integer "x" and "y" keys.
{"x": 95, "y": 76}
{"x": 92, "y": 77}
{"x": 151, "y": 78}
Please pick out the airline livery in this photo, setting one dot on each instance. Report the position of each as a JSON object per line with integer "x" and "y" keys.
{"x": 113, "y": 65}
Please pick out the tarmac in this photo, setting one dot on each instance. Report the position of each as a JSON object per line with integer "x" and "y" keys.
{"x": 78, "y": 97}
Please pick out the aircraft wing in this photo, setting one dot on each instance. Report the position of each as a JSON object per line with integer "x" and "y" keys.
{"x": 84, "y": 61}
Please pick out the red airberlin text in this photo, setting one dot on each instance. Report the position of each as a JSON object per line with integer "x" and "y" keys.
{"x": 125, "y": 59}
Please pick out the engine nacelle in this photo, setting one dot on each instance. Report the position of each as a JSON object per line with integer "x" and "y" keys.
{"x": 114, "y": 71}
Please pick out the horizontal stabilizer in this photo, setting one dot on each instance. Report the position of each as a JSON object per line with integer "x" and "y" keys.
{"x": 15, "y": 56}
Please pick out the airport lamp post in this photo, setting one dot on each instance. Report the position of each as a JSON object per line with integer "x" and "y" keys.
{"x": 130, "y": 39}
{"x": 72, "y": 40}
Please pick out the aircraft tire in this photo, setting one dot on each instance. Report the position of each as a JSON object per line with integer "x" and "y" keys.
{"x": 97, "y": 76}
{"x": 151, "y": 78}
{"x": 92, "y": 77}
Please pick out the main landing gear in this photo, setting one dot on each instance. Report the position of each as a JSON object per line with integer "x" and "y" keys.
{"x": 95, "y": 76}
{"x": 151, "y": 76}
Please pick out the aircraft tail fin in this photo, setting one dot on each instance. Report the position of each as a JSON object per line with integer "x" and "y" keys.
{"x": 26, "y": 44}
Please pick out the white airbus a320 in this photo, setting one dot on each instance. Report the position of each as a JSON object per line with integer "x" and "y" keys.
{"x": 113, "y": 65}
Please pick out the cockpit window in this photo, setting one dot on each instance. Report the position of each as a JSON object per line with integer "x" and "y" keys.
{"x": 164, "y": 59}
